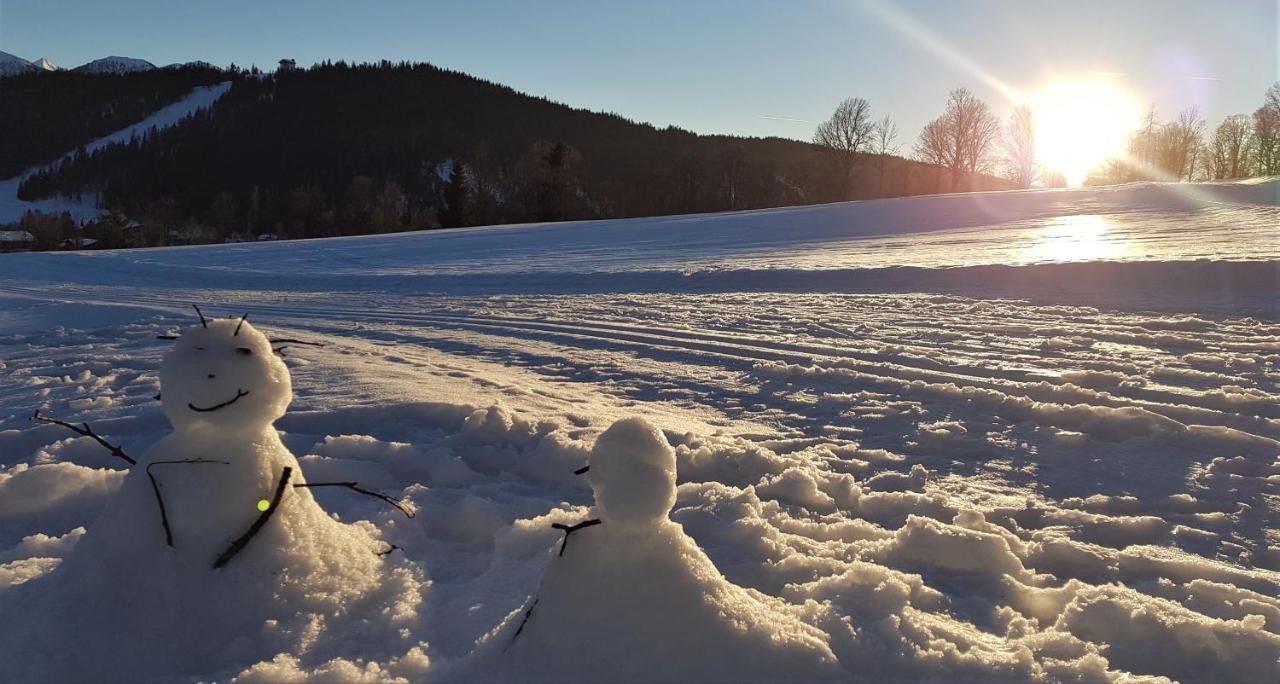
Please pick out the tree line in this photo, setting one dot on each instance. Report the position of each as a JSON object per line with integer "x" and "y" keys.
{"x": 45, "y": 114}
{"x": 968, "y": 144}
{"x": 1183, "y": 148}
{"x": 341, "y": 149}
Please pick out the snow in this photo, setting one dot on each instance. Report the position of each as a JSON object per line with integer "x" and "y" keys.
{"x": 211, "y": 477}
{"x": 1038, "y": 468}
{"x": 86, "y": 208}
{"x": 13, "y": 64}
{"x": 16, "y": 236}
{"x": 115, "y": 65}
{"x": 44, "y": 63}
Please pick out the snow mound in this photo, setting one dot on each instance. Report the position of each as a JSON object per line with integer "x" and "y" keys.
{"x": 154, "y": 589}
{"x": 635, "y": 599}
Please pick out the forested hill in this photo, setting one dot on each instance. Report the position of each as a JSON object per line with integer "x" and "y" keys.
{"x": 45, "y": 114}
{"x": 344, "y": 149}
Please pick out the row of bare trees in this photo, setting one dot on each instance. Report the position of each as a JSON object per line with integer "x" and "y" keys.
{"x": 968, "y": 140}
{"x": 1241, "y": 146}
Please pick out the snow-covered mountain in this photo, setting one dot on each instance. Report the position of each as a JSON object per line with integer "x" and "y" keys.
{"x": 13, "y": 64}
{"x": 44, "y": 63}
{"x": 116, "y": 65}
{"x": 194, "y": 63}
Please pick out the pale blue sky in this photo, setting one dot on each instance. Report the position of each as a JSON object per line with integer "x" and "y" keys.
{"x": 710, "y": 66}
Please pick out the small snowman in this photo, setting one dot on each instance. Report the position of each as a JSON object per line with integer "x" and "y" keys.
{"x": 630, "y": 597}
{"x": 213, "y": 551}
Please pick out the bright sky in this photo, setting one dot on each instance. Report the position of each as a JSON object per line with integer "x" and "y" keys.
{"x": 749, "y": 67}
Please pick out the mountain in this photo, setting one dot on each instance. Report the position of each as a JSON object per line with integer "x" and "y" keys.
{"x": 45, "y": 114}
{"x": 44, "y": 63}
{"x": 341, "y": 149}
{"x": 115, "y": 65}
{"x": 11, "y": 65}
{"x": 198, "y": 63}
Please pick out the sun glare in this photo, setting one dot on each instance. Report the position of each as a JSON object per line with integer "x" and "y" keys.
{"x": 1080, "y": 123}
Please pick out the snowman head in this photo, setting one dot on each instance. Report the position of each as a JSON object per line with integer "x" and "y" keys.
{"x": 223, "y": 374}
{"x": 633, "y": 474}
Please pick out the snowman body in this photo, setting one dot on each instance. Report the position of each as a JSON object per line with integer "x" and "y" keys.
{"x": 139, "y": 603}
{"x": 635, "y": 599}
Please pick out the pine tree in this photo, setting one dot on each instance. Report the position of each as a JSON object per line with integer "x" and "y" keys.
{"x": 457, "y": 199}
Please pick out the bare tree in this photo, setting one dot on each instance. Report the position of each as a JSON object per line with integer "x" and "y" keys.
{"x": 1266, "y": 134}
{"x": 884, "y": 144}
{"x": 933, "y": 147}
{"x": 962, "y": 138}
{"x": 847, "y": 135}
{"x": 1020, "y": 146}
{"x": 1179, "y": 144}
{"x": 1228, "y": 151}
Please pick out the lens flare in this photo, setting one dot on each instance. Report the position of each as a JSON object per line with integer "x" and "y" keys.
{"x": 1080, "y": 123}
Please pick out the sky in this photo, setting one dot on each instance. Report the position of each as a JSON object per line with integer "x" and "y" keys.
{"x": 744, "y": 67}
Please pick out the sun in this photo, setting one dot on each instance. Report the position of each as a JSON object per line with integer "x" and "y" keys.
{"x": 1080, "y": 122}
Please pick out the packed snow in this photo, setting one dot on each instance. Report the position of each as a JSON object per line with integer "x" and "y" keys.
{"x": 806, "y": 458}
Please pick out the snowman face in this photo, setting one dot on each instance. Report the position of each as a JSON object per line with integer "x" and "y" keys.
{"x": 224, "y": 376}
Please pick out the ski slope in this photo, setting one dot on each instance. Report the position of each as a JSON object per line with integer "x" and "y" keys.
{"x": 85, "y": 208}
{"x": 1032, "y": 436}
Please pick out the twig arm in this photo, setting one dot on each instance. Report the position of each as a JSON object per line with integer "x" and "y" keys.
{"x": 355, "y": 487}
{"x": 155, "y": 486}
{"x": 570, "y": 529}
{"x": 238, "y": 545}
{"x": 87, "y": 431}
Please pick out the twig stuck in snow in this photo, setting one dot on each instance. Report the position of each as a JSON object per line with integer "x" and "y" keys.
{"x": 200, "y": 313}
{"x": 527, "y": 614}
{"x": 570, "y": 529}
{"x": 87, "y": 432}
{"x": 155, "y": 486}
{"x": 354, "y": 487}
{"x": 238, "y": 545}
{"x": 289, "y": 340}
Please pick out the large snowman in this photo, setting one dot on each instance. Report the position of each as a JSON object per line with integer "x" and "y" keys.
{"x": 213, "y": 553}
{"x": 631, "y": 597}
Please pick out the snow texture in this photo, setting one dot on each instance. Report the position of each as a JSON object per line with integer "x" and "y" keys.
{"x": 136, "y": 606}
{"x": 992, "y": 469}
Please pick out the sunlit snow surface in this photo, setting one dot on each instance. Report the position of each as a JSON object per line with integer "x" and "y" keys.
{"x": 1002, "y": 468}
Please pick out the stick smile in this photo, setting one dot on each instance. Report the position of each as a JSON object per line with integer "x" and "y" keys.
{"x": 215, "y": 407}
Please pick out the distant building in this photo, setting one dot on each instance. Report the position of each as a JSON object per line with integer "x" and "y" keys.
{"x": 77, "y": 243}
{"x": 16, "y": 241}
{"x": 287, "y": 65}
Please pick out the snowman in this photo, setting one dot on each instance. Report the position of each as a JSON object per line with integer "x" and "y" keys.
{"x": 214, "y": 551}
{"x": 629, "y": 596}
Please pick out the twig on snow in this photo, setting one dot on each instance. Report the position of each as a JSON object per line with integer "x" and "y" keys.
{"x": 570, "y": 529}
{"x": 238, "y": 545}
{"x": 355, "y": 487}
{"x": 155, "y": 486}
{"x": 528, "y": 613}
{"x": 87, "y": 431}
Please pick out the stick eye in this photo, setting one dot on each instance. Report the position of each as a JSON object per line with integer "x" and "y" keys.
{"x": 244, "y": 351}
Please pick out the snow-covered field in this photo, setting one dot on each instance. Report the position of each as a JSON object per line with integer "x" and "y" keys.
{"x": 1016, "y": 436}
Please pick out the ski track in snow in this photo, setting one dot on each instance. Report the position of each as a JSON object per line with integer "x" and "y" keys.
{"x": 974, "y": 470}
{"x": 1101, "y": 446}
